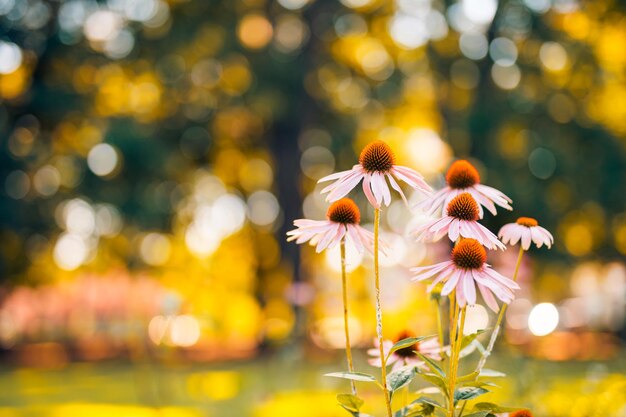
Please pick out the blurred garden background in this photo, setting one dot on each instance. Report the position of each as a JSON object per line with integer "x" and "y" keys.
{"x": 153, "y": 153}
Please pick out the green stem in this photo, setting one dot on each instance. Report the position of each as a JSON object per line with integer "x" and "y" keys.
{"x": 462, "y": 408}
{"x": 454, "y": 312}
{"x": 439, "y": 327}
{"x": 379, "y": 314}
{"x": 344, "y": 286}
{"x": 454, "y": 362}
{"x": 496, "y": 329}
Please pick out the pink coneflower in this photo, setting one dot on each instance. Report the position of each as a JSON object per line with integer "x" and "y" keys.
{"x": 466, "y": 269}
{"x": 376, "y": 164}
{"x": 461, "y": 220}
{"x": 527, "y": 230}
{"x": 405, "y": 356}
{"x": 462, "y": 177}
{"x": 343, "y": 220}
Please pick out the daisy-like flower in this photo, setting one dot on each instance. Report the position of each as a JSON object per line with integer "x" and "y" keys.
{"x": 343, "y": 217}
{"x": 462, "y": 177}
{"x": 405, "y": 356}
{"x": 461, "y": 220}
{"x": 527, "y": 230}
{"x": 466, "y": 270}
{"x": 377, "y": 164}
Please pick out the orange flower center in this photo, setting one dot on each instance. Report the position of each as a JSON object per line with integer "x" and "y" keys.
{"x": 521, "y": 413}
{"x": 463, "y": 207}
{"x": 469, "y": 254}
{"x": 527, "y": 221}
{"x": 377, "y": 156}
{"x": 462, "y": 174}
{"x": 409, "y": 351}
{"x": 344, "y": 211}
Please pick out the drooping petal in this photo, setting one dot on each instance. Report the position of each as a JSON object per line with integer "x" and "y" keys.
{"x": 341, "y": 188}
{"x": 397, "y": 187}
{"x": 425, "y": 272}
{"x": 536, "y": 237}
{"x": 548, "y": 238}
{"x": 411, "y": 177}
{"x": 479, "y": 232}
{"x": 451, "y": 282}
{"x": 433, "y": 203}
{"x": 345, "y": 176}
{"x": 377, "y": 188}
{"x": 355, "y": 238}
{"x": 367, "y": 189}
{"x": 331, "y": 237}
{"x": 482, "y": 202}
{"x": 454, "y": 231}
{"x": 334, "y": 176}
{"x": 385, "y": 189}
{"x": 526, "y": 238}
{"x": 495, "y": 195}
{"x": 490, "y": 300}
{"x": 468, "y": 288}
{"x": 507, "y": 282}
{"x": 460, "y": 290}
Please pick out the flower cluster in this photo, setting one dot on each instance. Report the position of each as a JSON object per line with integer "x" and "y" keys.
{"x": 461, "y": 279}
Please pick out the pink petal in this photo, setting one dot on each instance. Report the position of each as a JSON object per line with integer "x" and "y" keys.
{"x": 451, "y": 283}
{"x": 489, "y": 298}
{"x": 368, "y": 191}
{"x": 469, "y": 288}
{"x": 454, "y": 231}
{"x": 411, "y": 177}
{"x": 331, "y": 237}
{"x": 396, "y": 187}
{"x": 377, "y": 187}
{"x": 334, "y": 176}
{"x": 526, "y": 238}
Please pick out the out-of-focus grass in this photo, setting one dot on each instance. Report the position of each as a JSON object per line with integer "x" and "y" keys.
{"x": 282, "y": 387}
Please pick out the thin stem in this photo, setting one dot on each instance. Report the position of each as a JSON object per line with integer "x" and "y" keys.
{"x": 344, "y": 286}
{"x": 462, "y": 408}
{"x": 453, "y": 329}
{"x": 496, "y": 329}
{"x": 454, "y": 364}
{"x": 379, "y": 314}
{"x": 439, "y": 327}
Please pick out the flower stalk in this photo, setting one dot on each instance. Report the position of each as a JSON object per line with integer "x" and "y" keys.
{"x": 344, "y": 286}
{"x": 456, "y": 336}
{"x": 379, "y": 314}
{"x": 439, "y": 326}
{"x": 496, "y": 329}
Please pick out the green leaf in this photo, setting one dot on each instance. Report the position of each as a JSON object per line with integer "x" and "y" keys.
{"x": 436, "y": 380}
{"x": 422, "y": 406}
{"x": 468, "y": 377}
{"x": 483, "y": 413}
{"x": 434, "y": 366}
{"x": 354, "y": 376}
{"x": 494, "y": 408}
{"x": 400, "y": 378}
{"x": 490, "y": 373}
{"x": 430, "y": 401}
{"x": 408, "y": 342}
{"x": 428, "y": 390}
{"x": 350, "y": 402}
{"x": 468, "y": 350}
{"x": 467, "y": 340}
{"x": 478, "y": 384}
{"x": 467, "y": 393}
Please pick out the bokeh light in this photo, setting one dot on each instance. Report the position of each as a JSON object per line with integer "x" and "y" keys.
{"x": 543, "y": 319}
